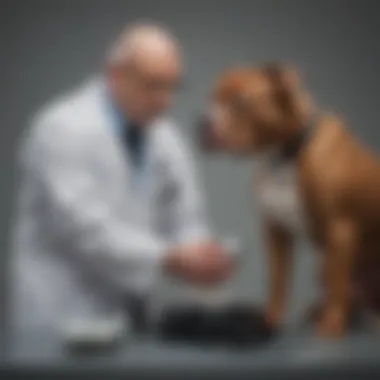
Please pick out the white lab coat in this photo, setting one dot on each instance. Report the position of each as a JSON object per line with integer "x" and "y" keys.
{"x": 88, "y": 229}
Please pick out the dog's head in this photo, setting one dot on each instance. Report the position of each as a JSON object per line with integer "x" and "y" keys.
{"x": 255, "y": 109}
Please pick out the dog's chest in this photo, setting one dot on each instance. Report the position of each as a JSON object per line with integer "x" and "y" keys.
{"x": 278, "y": 193}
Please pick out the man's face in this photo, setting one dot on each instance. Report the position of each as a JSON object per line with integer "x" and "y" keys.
{"x": 145, "y": 89}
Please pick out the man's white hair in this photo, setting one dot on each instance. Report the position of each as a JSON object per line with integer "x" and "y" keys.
{"x": 126, "y": 44}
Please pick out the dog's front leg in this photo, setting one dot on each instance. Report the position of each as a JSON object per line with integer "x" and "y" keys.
{"x": 338, "y": 259}
{"x": 279, "y": 245}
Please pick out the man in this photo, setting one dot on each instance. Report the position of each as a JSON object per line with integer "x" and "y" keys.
{"x": 109, "y": 197}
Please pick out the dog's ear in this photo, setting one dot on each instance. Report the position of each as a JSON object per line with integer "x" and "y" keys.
{"x": 285, "y": 80}
{"x": 294, "y": 102}
{"x": 284, "y": 75}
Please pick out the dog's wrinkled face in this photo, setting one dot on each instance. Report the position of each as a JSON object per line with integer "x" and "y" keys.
{"x": 254, "y": 109}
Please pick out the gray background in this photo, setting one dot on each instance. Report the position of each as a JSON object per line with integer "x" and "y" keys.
{"x": 49, "y": 46}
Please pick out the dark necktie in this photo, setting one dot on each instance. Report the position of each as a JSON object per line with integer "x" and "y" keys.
{"x": 134, "y": 140}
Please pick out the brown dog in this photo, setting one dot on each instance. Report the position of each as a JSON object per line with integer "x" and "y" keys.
{"x": 313, "y": 177}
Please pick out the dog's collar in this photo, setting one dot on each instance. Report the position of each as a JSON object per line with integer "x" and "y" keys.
{"x": 292, "y": 149}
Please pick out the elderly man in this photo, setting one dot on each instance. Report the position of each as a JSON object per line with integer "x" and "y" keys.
{"x": 109, "y": 197}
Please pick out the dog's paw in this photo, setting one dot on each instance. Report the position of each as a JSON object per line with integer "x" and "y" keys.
{"x": 332, "y": 325}
{"x": 353, "y": 320}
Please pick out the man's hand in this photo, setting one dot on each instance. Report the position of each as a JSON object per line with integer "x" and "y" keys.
{"x": 204, "y": 263}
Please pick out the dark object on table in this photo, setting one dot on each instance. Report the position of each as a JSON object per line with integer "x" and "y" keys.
{"x": 232, "y": 325}
{"x": 91, "y": 348}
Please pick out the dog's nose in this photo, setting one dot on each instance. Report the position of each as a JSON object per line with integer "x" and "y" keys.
{"x": 205, "y": 134}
